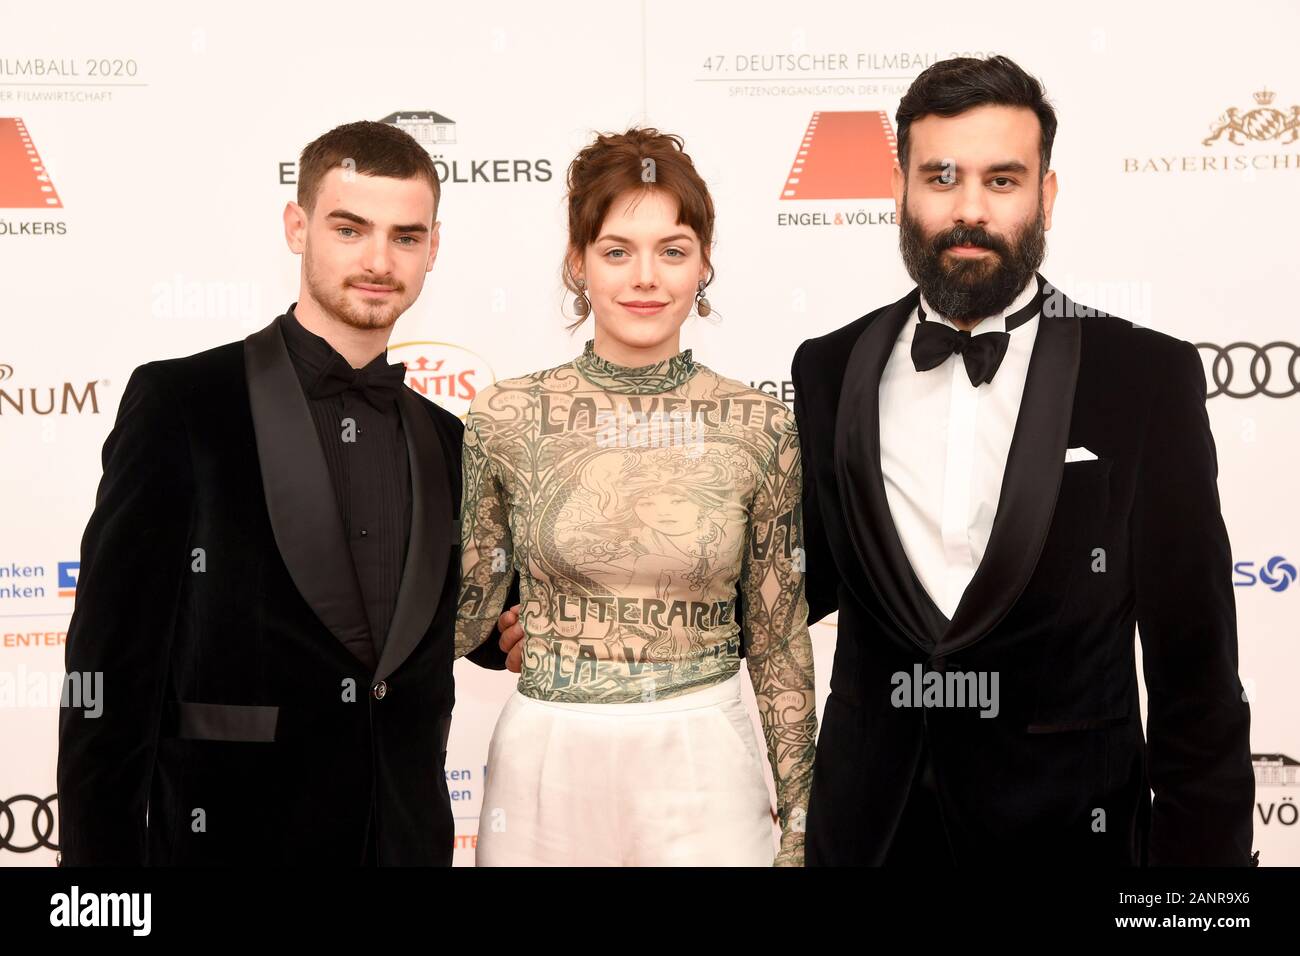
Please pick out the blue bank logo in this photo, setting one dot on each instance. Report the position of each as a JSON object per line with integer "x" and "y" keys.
{"x": 70, "y": 570}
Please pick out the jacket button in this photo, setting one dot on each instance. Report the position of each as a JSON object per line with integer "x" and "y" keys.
{"x": 379, "y": 690}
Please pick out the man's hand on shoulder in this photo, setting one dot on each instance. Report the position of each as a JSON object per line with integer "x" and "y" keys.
{"x": 512, "y": 639}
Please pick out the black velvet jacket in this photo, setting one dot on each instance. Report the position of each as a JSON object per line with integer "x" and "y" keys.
{"x": 246, "y": 717}
{"x": 1063, "y": 773}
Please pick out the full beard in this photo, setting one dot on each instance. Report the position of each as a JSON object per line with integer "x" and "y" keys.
{"x": 969, "y": 289}
{"x": 335, "y": 301}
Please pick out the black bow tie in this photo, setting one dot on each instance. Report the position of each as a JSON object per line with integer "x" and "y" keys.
{"x": 983, "y": 353}
{"x": 378, "y": 384}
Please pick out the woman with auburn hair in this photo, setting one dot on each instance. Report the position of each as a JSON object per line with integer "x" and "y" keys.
{"x": 645, "y": 501}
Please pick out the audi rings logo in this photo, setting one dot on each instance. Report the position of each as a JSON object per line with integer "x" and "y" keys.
{"x": 1244, "y": 370}
{"x": 22, "y": 831}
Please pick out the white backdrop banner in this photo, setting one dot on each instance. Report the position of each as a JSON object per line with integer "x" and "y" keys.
{"x": 145, "y": 159}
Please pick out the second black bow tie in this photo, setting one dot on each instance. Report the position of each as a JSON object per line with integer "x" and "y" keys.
{"x": 378, "y": 384}
{"x": 934, "y": 342}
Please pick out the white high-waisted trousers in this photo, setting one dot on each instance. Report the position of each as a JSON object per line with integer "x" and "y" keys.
{"x": 675, "y": 782}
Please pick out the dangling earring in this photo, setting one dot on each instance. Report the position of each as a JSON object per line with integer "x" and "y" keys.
{"x": 701, "y": 303}
{"x": 581, "y": 304}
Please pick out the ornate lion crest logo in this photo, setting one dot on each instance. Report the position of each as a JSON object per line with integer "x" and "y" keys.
{"x": 1262, "y": 123}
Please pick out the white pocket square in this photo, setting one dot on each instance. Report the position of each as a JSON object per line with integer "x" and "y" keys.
{"x": 1079, "y": 454}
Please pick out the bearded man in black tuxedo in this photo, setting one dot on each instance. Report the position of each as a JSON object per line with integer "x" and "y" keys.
{"x": 998, "y": 486}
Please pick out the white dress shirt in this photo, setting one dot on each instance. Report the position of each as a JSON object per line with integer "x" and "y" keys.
{"x": 943, "y": 449}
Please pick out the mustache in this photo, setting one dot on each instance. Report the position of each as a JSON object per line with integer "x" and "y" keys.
{"x": 368, "y": 280}
{"x": 969, "y": 236}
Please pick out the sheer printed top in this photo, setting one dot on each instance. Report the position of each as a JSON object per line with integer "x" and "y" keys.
{"x": 633, "y": 502}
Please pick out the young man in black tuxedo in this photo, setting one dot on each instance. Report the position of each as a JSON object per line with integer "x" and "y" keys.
{"x": 268, "y": 577}
{"x": 998, "y": 485}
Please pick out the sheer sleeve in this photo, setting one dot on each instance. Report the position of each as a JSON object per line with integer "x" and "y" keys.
{"x": 779, "y": 651}
{"x": 486, "y": 557}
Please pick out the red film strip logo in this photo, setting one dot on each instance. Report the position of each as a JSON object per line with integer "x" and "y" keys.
{"x": 24, "y": 182}
{"x": 843, "y": 155}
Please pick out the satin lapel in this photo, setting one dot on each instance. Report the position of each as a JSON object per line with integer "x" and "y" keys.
{"x": 429, "y": 549}
{"x": 862, "y": 487}
{"x": 299, "y": 496}
{"x": 1031, "y": 481}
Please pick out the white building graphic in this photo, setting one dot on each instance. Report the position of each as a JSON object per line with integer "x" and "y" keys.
{"x": 1275, "y": 770}
{"x": 425, "y": 126}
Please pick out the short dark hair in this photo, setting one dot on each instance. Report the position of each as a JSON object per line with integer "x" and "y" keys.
{"x": 374, "y": 149}
{"x": 954, "y": 86}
